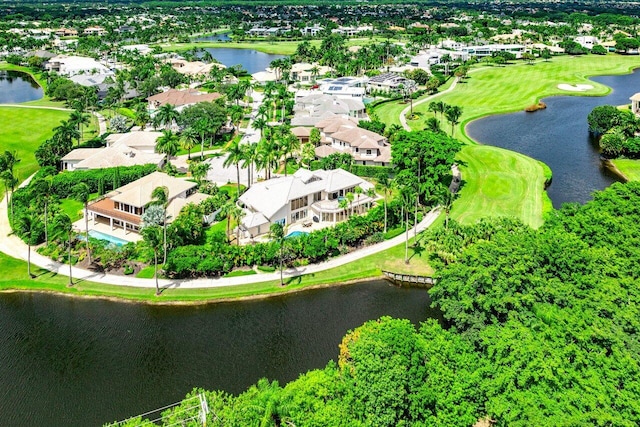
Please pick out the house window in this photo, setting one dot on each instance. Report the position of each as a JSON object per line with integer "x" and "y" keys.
{"x": 297, "y": 216}
{"x": 299, "y": 203}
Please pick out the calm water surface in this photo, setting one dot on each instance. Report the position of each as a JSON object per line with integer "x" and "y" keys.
{"x": 223, "y": 37}
{"x": 71, "y": 362}
{"x": 559, "y": 137}
{"x": 251, "y": 60}
{"x": 18, "y": 87}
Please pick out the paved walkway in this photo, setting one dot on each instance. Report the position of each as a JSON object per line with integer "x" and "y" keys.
{"x": 403, "y": 113}
{"x": 15, "y": 247}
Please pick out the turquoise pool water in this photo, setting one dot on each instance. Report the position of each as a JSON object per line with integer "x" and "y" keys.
{"x": 109, "y": 238}
{"x": 295, "y": 234}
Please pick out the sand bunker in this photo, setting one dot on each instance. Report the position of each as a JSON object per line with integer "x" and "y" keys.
{"x": 574, "y": 88}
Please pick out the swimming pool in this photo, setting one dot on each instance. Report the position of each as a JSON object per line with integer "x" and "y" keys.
{"x": 295, "y": 234}
{"x": 109, "y": 238}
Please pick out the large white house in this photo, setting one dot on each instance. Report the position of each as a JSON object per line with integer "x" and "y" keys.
{"x": 339, "y": 135}
{"x": 72, "y": 65}
{"x": 124, "y": 206}
{"x": 306, "y": 196}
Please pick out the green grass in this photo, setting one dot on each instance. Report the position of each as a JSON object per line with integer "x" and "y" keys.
{"x": 14, "y": 277}
{"x": 71, "y": 207}
{"x": 23, "y": 130}
{"x": 147, "y": 272}
{"x": 629, "y": 168}
{"x": 498, "y": 182}
{"x": 238, "y": 273}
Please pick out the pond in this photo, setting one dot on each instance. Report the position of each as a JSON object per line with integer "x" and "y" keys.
{"x": 559, "y": 137}
{"x": 251, "y": 60}
{"x": 76, "y": 362}
{"x": 16, "y": 87}
{"x": 222, "y": 37}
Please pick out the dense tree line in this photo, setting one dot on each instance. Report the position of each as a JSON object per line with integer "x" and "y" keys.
{"x": 616, "y": 131}
{"x": 541, "y": 328}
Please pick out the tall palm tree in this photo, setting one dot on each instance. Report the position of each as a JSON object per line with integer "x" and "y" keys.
{"x": 160, "y": 197}
{"x": 189, "y": 140}
{"x": 349, "y": 196}
{"x": 79, "y": 119}
{"x": 453, "y": 114}
{"x": 167, "y": 114}
{"x": 62, "y": 228}
{"x": 42, "y": 188}
{"x": 27, "y": 227}
{"x": 81, "y": 193}
{"x": 234, "y": 157}
{"x": 152, "y": 236}
{"x": 259, "y": 123}
{"x": 237, "y": 214}
{"x": 277, "y": 233}
{"x": 249, "y": 154}
{"x": 384, "y": 183}
{"x": 67, "y": 131}
{"x": 168, "y": 143}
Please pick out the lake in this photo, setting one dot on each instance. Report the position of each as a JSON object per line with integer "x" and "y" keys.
{"x": 80, "y": 362}
{"x": 222, "y": 37}
{"x": 251, "y": 60}
{"x": 559, "y": 136}
{"x": 16, "y": 87}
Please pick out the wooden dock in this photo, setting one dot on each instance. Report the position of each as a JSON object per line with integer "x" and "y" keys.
{"x": 400, "y": 279}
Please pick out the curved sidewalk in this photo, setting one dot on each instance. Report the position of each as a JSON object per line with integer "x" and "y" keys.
{"x": 403, "y": 113}
{"x": 13, "y": 246}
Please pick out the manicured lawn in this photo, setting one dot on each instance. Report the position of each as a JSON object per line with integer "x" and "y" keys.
{"x": 630, "y": 168}
{"x": 23, "y": 130}
{"x": 498, "y": 182}
{"x": 71, "y": 207}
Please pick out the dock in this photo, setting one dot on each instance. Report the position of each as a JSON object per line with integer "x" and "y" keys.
{"x": 400, "y": 279}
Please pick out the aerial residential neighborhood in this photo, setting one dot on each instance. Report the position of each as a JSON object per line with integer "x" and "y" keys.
{"x": 330, "y": 213}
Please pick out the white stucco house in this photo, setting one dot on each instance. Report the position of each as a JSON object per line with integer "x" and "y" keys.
{"x": 306, "y": 196}
{"x": 72, "y": 65}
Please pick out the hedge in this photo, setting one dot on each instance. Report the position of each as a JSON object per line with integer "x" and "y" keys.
{"x": 365, "y": 171}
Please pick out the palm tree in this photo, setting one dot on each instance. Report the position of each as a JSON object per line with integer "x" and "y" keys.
{"x": 168, "y": 143}
{"x": 227, "y": 210}
{"x": 78, "y": 119}
{"x": 277, "y": 234}
{"x": 142, "y": 115}
{"x": 189, "y": 140}
{"x": 358, "y": 190}
{"x": 160, "y": 197}
{"x": 199, "y": 170}
{"x": 63, "y": 229}
{"x": 43, "y": 190}
{"x": 383, "y": 181}
{"x": 67, "y": 131}
{"x": 167, "y": 114}
{"x": 81, "y": 193}
{"x": 27, "y": 227}
{"x": 259, "y": 123}
{"x": 234, "y": 157}
{"x": 152, "y": 236}
{"x": 453, "y": 114}
{"x": 237, "y": 214}
{"x": 249, "y": 154}
{"x": 349, "y": 196}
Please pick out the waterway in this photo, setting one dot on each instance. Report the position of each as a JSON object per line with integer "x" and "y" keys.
{"x": 559, "y": 137}
{"x": 77, "y": 362}
{"x": 222, "y": 37}
{"x": 251, "y": 60}
{"x": 16, "y": 87}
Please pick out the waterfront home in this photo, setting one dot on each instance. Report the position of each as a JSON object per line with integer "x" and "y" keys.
{"x": 305, "y": 197}
{"x": 305, "y": 72}
{"x": 180, "y": 98}
{"x": 67, "y": 65}
{"x": 339, "y": 135}
{"x": 118, "y": 154}
{"x": 144, "y": 141}
{"x": 390, "y": 82}
{"x": 635, "y": 104}
{"x": 124, "y": 206}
